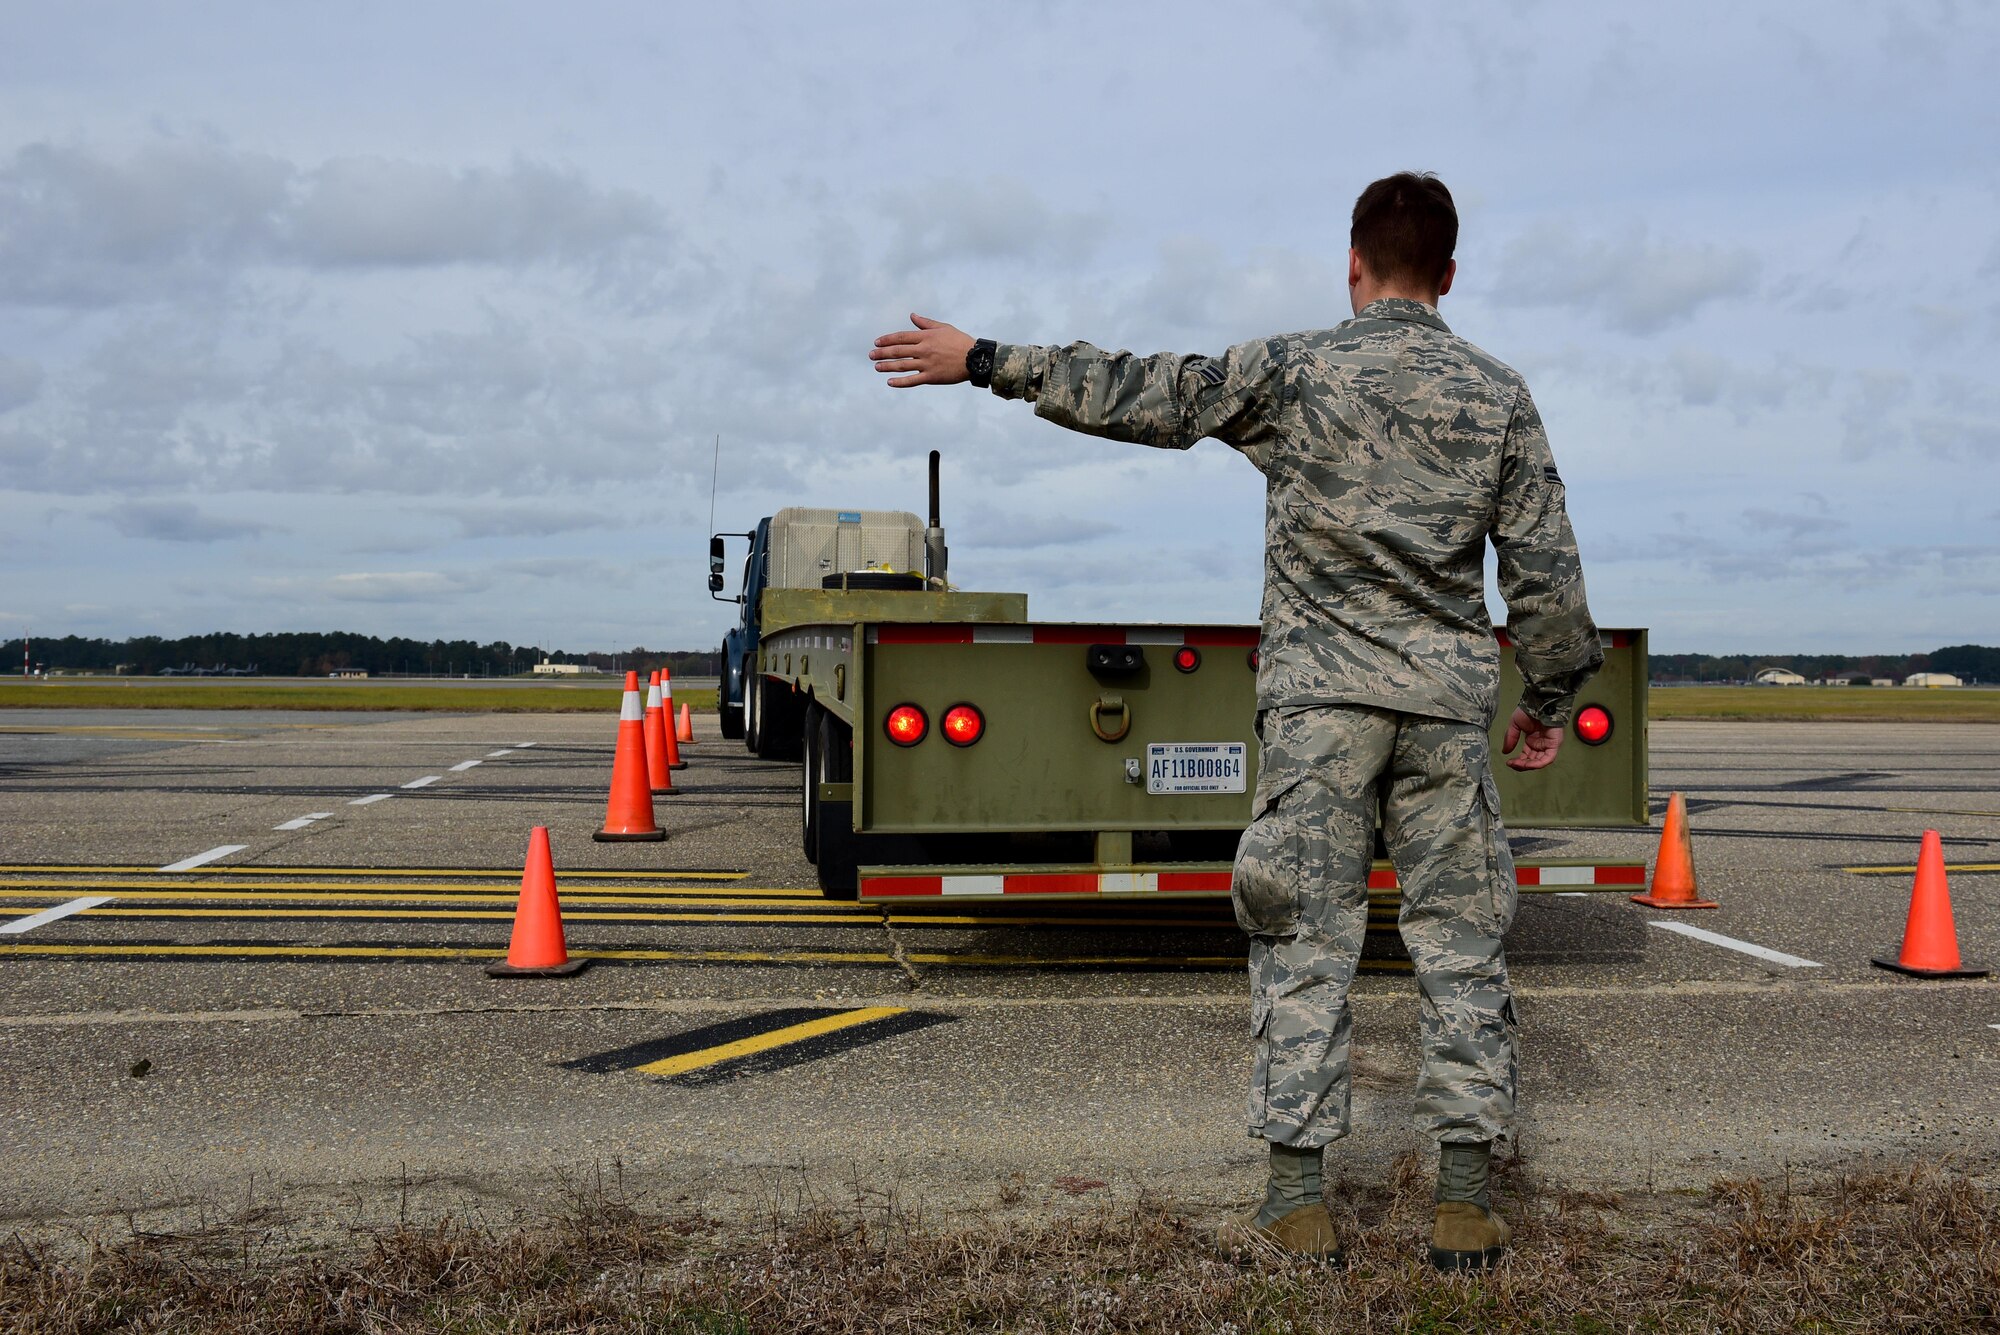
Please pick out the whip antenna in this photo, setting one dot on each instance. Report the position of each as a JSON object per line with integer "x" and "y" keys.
{"x": 714, "y": 475}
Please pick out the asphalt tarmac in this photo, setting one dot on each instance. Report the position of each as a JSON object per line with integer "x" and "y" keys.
{"x": 298, "y": 1020}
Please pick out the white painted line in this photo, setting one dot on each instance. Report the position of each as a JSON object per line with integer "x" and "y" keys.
{"x": 372, "y": 797}
{"x": 464, "y": 765}
{"x": 424, "y": 782}
{"x": 1993, "y": 1026}
{"x": 1731, "y": 943}
{"x": 1571, "y": 894}
{"x": 34, "y": 920}
{"x": 522, "y": 746}
{"x": 299, "y": 823}
{"x": 219, "y": 851}
{"x": 494, "y": 755}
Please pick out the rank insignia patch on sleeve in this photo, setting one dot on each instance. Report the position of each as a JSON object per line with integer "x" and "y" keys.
{"x": 1210, "y": 372}
{"x": 1550, "y": 475}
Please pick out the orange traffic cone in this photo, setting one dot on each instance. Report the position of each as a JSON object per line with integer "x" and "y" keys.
{"x": 669, "y": 741}
{"x": 629, "y": 815}
{"x": 536, "y": 949}
{"x": 682, "y": 726}
{"x": 1930, "y": 939}
{"x": 1673, "y": 870}
{"x": 658, "y": 772}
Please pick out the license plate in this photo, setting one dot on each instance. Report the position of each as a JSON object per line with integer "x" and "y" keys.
{"x": 1196, "y": 767}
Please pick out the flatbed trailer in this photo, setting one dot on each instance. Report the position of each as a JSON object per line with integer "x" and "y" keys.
{"x": 955, "y": 748}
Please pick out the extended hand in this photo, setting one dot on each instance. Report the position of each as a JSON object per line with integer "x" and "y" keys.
{"x": 931, "y": 354}
{"x": 1543, "y": 741}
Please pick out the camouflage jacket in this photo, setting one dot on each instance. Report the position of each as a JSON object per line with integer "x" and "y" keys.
{"x": 1392, "y": 450}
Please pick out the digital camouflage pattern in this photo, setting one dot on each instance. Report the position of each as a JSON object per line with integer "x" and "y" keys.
{"x": 1392, "y": 450}
{"x": 1301, "y": 892}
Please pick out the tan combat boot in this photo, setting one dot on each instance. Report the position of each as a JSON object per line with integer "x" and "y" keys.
{"x": 1306, "y": 1232}
{"x": 1467, "y": 1236}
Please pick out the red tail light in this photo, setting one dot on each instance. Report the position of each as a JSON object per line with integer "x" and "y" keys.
{"x": 906, "y": 725}
{"x": 1187, "y": 658}
{"x": 1253, "y": 660}
{"x": 963, "y": 725}
{"x": 1593, "y": 725}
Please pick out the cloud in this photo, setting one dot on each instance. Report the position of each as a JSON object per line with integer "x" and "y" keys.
{"x": 20, "y": 383}
{"x": 177, "y": 521}
{"x": 85, "y": 229}
{"x": 992, "y": 530}
{"x": 1000, "y": 218}
{"x": 382, "y": 586}
{"x": 528, "y": 521}
{"x": 1635, "y": 283}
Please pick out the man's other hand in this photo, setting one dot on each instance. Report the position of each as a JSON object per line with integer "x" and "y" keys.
{"x": 1543, "y": 741}
{"x": 931, "y": 354}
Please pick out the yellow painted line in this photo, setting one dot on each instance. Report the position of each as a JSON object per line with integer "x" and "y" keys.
{"x": 1910, "y": 868}
{"x": 417, "y": 897}
{"x": 469, "y": 915}
{"x": 247, "y": 887}
{"x": 776, "y": 1038}
{"x": 659, "y": 956}
{"x": 435, "y": 873}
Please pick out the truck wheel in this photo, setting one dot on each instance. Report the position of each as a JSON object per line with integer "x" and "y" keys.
{"x": 753, "y": 715}
{"x": 732, "y": 722}
{"x": 809, "y": 780}
{"x": 839, "y": 846}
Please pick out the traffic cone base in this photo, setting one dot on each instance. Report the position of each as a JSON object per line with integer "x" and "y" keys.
{"x": 637, "y": 837}
{"x": 502, "y": 969}
{"x": 536, "y": 948}
{"x": 1897, "y": 966}
{"x": 1673, "y": 870}
{"x": 1930, "y": 938}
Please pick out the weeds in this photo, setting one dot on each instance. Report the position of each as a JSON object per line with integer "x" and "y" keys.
{"x": 1917, "y": 1250}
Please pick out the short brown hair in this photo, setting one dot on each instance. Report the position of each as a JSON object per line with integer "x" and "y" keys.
{"x": 1406, "y": 227}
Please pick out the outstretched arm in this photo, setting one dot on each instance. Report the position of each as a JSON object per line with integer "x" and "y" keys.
{"x": 1166, "y": 400}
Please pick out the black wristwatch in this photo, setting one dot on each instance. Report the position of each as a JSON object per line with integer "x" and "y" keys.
{"x": 979, "y": 362}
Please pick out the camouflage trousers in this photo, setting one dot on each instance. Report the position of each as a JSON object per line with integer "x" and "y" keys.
{"x": 1301, "y": 892}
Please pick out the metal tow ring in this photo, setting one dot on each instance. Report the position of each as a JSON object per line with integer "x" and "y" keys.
{"x": 1115, "y": 705}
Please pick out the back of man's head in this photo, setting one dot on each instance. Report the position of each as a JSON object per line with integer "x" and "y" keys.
{"x": 1405, "y": 228}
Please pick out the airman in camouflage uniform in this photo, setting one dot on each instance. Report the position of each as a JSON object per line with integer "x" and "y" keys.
{"x": 1393, "y": 451}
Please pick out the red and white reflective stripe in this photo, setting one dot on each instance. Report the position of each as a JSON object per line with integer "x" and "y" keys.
{"x": 652, "y": 695}
{"x": 1242, "y": 637}
{"x": 1000, "y": 884}
{"x": 631, "y": 711}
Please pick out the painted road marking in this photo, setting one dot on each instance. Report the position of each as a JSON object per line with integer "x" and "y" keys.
{"x": 1731, "y": 943}
{"x": 1940, "y": 811}
{"x": 505, "y": 873}
{"x": 424, "y": 782}
{"x": 495, "y": 755}
{"x": 1909, "y": 868}
{"x": 794, "y": 957}
{"x": 464, "y": 765}
{"x": 219, "y": 851}
{"x": 34, "y": 920}
{"x": 522, "y": 746}
{"x": 300, "y": 822}
{"x": 372, "y": 797}
{"x": 778, "y": 1038}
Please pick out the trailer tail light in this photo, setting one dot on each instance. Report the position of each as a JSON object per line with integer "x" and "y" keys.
{"x": 1187, "y": 658}
{"x": 906, "y": 725}
{"x": 1254, "y": 660}
{"x": 1593, "y": 725}
{"x": 963, "y": 725}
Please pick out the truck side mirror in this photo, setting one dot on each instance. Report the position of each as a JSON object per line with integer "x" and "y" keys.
{"x": 715, "y": 555}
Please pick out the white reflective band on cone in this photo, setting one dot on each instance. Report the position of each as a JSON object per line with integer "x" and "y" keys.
{"x": 630, "y": 711}
{"x": 653, "y": 695}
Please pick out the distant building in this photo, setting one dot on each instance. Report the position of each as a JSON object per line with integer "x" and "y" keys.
{"x": 1777, "y": 677}
{"x": 567, "y": 670}
{"x": 1882, "y": 681}
{"x": 349, "y": 674}
{"x": 1931, "y": 679}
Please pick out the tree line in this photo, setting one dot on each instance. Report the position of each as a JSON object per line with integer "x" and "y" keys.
{"x": 316, "y": 654}
{"x": 1967, "y": 662}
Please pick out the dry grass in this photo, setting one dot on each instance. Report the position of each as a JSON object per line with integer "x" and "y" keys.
{"x": 1917, "y": 1250}
{"x": 1857, "y": 704}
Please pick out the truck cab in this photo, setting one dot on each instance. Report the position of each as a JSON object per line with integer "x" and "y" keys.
{"x": 800, "y": 547}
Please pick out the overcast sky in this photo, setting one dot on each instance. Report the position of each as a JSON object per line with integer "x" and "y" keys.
{"x": 424, "y": 319}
